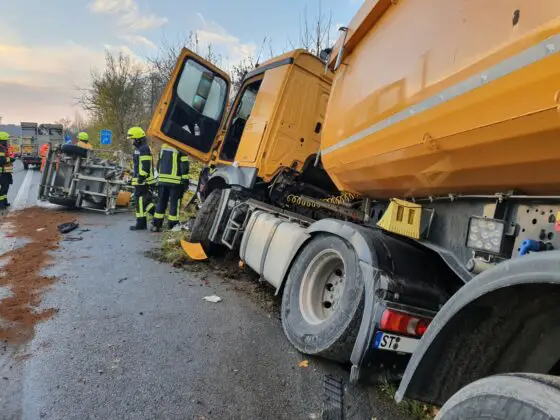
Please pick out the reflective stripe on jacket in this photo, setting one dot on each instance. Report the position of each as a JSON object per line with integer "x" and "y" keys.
{"x": 143, "y": 173}
{"x": 173, "y": 166}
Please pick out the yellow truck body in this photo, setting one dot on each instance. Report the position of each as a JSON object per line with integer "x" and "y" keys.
{"x": 446, "y": 96}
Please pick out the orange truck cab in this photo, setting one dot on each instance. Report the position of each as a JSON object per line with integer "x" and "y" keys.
{"x": 273, "y": 123}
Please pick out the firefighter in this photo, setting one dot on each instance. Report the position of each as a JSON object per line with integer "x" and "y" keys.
{"x": 173, "y": 169}
{"x": 5, "y": 170}
{"x": 142, "y": 177}
{"x": 83, "y": 141}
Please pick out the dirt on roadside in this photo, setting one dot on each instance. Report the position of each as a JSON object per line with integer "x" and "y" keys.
{"x": 22, "y": 267}
{"x": 240, "y": 278}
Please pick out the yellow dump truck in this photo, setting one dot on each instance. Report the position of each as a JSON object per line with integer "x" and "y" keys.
{"x": 412, "y": 223}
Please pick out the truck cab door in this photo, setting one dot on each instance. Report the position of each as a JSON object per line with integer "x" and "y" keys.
{"x": 192, "y": 106}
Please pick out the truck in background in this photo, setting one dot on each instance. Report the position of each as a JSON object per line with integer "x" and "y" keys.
{"x": 34, "y": 136}
{"x": 15, "y": 147}
{"x": 420, "y": 236}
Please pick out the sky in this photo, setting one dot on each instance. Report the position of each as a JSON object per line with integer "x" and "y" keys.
{"x": 48, "y": 48}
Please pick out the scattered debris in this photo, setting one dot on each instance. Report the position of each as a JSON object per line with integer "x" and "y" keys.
{"x": 67, "y": 227}
{"x": 303, "y": 364}
{"x": 241, "y": 264}
{"x": 123, "y": 279}
{"x": 180, "y": 227}
{"x": 212, "y": 299}
{"x": 40, "y": 229}
{"x": 73, "y": 238}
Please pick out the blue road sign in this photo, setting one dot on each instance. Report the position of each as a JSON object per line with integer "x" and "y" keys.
{"x": 106, "y": 136}
{"x": 67, "y": 139}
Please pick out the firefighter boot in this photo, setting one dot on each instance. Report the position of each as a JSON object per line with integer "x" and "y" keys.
{"x": 141, "y": 224}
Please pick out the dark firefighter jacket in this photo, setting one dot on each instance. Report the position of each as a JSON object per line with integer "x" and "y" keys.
{"x": 143, "y": 166}
{"x": 173, "y": 167}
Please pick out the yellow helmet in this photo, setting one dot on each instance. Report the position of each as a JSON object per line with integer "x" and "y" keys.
{"x": 4, "y": 136}
{"x": 83, "y": 136}
{"x": 135, "y": 133}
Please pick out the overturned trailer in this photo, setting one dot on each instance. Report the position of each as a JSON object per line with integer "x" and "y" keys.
{"x": 77, "y": 178}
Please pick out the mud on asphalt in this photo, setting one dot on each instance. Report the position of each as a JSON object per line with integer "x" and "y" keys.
{"x": 21, "y": 280}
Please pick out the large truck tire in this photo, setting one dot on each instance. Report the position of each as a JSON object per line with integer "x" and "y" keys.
{"x": 323, "y": 299}
{"x": 501, "y": 397}
{"x": 204, "y": 219}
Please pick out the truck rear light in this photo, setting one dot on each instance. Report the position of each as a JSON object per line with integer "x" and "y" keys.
{"x": 402, "y": 323}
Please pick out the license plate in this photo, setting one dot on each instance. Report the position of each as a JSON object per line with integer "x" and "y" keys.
{"x": 396, "y": 343}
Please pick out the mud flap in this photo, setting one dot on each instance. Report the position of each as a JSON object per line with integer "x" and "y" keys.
{"x": 367, "y": 327}
{"x": 194, "y": 251}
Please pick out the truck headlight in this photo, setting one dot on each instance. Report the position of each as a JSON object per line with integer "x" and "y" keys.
{"x": 485, "y": 235}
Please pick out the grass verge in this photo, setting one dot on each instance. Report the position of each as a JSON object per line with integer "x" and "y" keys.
{"x": 416, "y": 409}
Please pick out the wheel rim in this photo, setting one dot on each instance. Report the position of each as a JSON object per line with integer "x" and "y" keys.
{"x": 322, "y": 287}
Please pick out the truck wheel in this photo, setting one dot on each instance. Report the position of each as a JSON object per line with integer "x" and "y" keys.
{"x": 527, "y": 396}
{"x": 323, "y": 299}
{"x": 203, "y": 223}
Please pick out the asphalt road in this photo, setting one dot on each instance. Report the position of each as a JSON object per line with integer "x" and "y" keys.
{"x": 134, "y": 339}
{"x": 23, "y": 192}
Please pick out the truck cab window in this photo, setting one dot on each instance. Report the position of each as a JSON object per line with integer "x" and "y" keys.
{"x": 241, "y": 115}
{"x": 197, "y": 105}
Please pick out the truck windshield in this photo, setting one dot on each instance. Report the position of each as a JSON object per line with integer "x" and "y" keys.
{"x": 239, "y": 119}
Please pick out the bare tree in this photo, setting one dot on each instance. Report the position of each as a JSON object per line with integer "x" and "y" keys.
{"x": 116, "y": 97}
{"x": 65, "y": 122}
{"x": 314, "y": 31}
{"x": 239, "y": 71}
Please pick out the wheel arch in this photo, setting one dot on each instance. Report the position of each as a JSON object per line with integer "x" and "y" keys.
{"x": 481, "y": 330}
{"x": 344, "y": 230}
{"x": 381, "y": 257}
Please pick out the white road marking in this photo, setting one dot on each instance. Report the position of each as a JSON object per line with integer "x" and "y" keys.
{"x": 21, "y": 198}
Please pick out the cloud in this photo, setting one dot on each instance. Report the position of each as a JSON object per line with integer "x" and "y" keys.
{"x": 55, "y": 65}
{"x": 130, "y": 17}
{"x": 135, "y": 22}
{"x": 42, "y": 104}
{"x": 212, "y": 33}
{"x": 138, "y": 40}
{"x": 39, "y": 83}
{"x": 112, "y": 6}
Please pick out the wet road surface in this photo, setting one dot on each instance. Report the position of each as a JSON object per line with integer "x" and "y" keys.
{"x": 134, "y": 339}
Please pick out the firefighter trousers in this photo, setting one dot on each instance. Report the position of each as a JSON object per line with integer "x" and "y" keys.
{"x": 168, "y": 195}
{"x": 144, "y": 204}
{"x": 5, "y": 182}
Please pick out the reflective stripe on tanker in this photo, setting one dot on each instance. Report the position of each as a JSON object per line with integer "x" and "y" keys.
{"x": 530, "y": 56}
